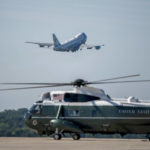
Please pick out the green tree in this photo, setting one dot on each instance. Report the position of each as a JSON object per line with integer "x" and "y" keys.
{"x": 12, "y": 123}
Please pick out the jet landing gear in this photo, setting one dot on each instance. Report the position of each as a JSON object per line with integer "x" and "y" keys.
{"x": 76, "y": 136}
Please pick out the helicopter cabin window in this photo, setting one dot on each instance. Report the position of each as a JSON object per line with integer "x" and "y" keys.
{"x": 73, "y": 113}
{"x": 46, "y": 96}
{"x": 57, "y": 97}
{"x": 74, "y": 97}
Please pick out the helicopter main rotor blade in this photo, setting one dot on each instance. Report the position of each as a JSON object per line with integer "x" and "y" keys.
{"x": 131, "y": 81}
{"x": 33, "y": 87}
{"x": 115, "y": 78}
{"x": 62, "y": 84}
{"x": 33, "y": 83}
{"x": 78, "y": 83}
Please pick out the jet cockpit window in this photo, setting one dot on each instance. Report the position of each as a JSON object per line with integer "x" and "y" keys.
{"x": 74, "y": 97}
{"x": 77, "y": 35}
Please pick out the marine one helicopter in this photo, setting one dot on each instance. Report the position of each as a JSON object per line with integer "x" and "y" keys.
{"x": 86, "y": 109}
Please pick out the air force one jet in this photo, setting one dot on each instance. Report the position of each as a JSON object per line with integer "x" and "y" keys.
{"x": 73, "y": 45}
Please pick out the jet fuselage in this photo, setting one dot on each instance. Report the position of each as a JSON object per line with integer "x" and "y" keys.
{"x": 72, "y": 45}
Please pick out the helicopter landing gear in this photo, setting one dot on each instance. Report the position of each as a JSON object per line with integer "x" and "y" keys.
{"x": 122, "y": 135}
{"x": 57, "y": 136}
{"x": 148, "y": 136}
{"x": 76, "y": 136}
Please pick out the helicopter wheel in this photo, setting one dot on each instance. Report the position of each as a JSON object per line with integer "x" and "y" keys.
{"x": 76, "y": 136}
{"x": 148, "y": 137}
{"x": 57, "y": 136}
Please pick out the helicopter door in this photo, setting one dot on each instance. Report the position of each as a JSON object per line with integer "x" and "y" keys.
{"x": 94, "y": 113}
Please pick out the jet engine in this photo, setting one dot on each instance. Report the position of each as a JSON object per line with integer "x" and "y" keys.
{"x": 97, "y": 47}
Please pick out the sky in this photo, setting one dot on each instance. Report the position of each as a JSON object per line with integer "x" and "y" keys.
{"x": 123, "y": 26}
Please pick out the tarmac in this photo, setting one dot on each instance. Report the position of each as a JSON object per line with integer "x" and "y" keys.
{"x": 22, "y": 143}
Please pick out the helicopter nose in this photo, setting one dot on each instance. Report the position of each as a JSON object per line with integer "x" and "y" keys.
{"x": 27, "y": 117}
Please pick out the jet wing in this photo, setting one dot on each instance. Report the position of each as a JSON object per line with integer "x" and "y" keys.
{"x": 41, "y": 44}
{"x": 97, "y": 47}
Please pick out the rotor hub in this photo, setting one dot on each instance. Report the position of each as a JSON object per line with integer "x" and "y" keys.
{"x": 79, "y": 82}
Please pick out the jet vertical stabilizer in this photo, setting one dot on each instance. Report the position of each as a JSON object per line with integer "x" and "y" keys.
{"x": 55, "y": 40}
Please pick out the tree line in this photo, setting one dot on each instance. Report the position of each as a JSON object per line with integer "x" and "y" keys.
{"x": 12, "y": 124}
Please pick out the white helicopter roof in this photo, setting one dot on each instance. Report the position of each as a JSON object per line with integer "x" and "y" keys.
{"x": 59, "y": 95}
{"x": 83, "y": 90}
{"x": 105, "y": 99}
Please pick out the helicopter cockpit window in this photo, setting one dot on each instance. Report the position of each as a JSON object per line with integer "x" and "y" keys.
{"x": 74, "y": 97}
{"x": 36, "y": 109}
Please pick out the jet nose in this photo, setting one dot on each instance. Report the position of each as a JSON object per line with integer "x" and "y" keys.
{"x": 85, "y": 37}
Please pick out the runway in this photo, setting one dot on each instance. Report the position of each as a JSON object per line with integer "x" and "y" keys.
{"x": 69, "y": 144}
